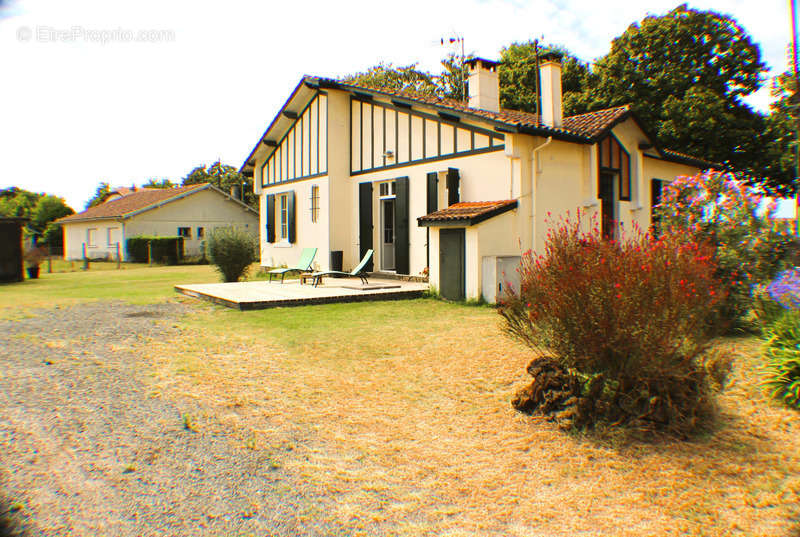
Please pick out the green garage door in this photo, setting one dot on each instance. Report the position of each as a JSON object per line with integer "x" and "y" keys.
{"x": 452, "y": 279}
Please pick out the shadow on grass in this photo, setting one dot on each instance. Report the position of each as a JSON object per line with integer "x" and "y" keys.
{"x": 8, "y": 526}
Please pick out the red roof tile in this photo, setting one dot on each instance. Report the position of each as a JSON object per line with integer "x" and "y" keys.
{"x": 467, "y": 212}
{"x": 130, "y": 203}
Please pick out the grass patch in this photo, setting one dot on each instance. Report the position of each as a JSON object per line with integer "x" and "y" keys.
{"x": 399, "y": 412}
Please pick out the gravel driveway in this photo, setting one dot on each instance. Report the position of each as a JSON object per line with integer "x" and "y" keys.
{"x": 86, "y": 449}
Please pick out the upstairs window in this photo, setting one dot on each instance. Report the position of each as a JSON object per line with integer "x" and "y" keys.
{"x": 314, "y": 203}
{"x": 185, "y": 232}
{"x": 614, "y": 159}
{"x": 201, "y": 232}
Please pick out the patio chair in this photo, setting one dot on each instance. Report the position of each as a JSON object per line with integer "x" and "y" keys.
{"x": 359, "y": 271}
{"x": 303, "y": 265}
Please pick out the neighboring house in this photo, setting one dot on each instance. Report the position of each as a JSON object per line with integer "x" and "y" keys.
{"x": 190, "y": 211}
{"x": 441, "y": 187}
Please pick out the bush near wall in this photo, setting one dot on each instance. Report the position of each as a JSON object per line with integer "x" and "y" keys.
{"x": 232, "y": 250}
{"x": 166, "y": 250}
{"x": 620, "y": 328}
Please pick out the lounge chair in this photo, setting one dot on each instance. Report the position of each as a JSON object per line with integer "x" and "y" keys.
{"x": 304, "y": 265}
{"x": 359, "y": 271}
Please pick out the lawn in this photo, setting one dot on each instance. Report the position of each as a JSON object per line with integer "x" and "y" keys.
{"x": 399, "y": 414}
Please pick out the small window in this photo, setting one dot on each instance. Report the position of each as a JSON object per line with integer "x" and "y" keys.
{"x": 314, "y": 203}
{"x": 201, "y": 232}
{"x": 656, "y": 190}
{"x": 91, "y": 237}
{"x": 185, "y": 232}
{"x": 387, "y": 189}
{"x": 284, "y": 216}
{"x": 112, "y": 236}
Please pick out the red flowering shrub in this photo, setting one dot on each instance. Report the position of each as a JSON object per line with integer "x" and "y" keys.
{"x": 629, "y": 319}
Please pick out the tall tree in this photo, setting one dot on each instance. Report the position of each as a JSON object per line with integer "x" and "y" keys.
{"x": 518, "y": 78}
{"x": 683, "y": 65}
{"x": 403, "y": 78}
{"x": 48, "y": 209}
{"x": 100, "y": 193}
{"x": 780, "y": 135}
{"x": 223, "y": 176}
{"x": 158, "y": 183}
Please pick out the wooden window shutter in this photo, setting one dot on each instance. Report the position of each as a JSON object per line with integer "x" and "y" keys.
{"x": 270, "y": 218}
{"x": 401, "y": 233}
{"x": 452, "y": 186}
{"x": 291, "y": 221}
{"x": 433, "y": 192}
{"x": 365, "y": 220}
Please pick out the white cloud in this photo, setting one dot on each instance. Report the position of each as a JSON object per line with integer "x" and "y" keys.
{"x": 75, "y": 113}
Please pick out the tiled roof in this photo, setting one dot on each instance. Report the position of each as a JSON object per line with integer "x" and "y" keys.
{"x": 467, "y": 212}
{"x": 133, "y": 202}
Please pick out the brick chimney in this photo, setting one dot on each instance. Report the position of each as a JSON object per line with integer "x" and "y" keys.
{"x": 550, "y": 75}
{"x": 483, "y": 86}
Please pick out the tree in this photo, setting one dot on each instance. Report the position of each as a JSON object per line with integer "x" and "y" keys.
{"x": 404, "y": 78}
{"x": 17, "y": 202}
{"x": 688, "y": 61}
{"x": 780, "y": 135}
{"x": 223, "y": 177}
{"x": 158, "y": 183}
{"x": 103, "y": 190}
{"x": 48, "y": 209}
{"x": 518, "y": 78}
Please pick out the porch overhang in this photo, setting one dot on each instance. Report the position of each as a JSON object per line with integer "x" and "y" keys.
{"x": 465, "y": 214}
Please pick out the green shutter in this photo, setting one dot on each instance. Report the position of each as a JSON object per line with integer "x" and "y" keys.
{"x": 291, "y": 221}
{"x": 365, "y": 220}
{"x": 452, "y": 186}
{"x": 270, "y": 218}
{"x": 433, "y": 192}
{"x": 401, "y": 236}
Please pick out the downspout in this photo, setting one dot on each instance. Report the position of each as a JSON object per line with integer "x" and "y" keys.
{"x": 534, "y": 183}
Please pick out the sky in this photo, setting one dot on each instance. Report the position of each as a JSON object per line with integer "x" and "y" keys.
{"x": 124, "y": 91}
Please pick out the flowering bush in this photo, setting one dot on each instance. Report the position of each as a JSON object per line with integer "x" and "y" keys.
{"x": 717, "y": 208}
{"x": 772, "y": 299}
{"x": 629, "y": 319}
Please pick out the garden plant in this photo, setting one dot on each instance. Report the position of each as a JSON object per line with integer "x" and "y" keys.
{"x": 782, "y": 349}
{"x": 737, "y": 220}
{"x": 232, "y": 250}
{"x": 621, "y": 329}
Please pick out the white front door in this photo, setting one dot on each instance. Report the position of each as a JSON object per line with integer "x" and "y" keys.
{"x": 387, "y": 234}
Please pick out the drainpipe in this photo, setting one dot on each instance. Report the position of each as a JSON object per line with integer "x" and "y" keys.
{"x": 534, "y": 182}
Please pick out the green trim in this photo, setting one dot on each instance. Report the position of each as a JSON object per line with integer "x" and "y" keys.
{"x": 432, "y": 159}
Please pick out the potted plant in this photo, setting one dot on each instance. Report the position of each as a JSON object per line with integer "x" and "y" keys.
{"x": 33, "y": 258}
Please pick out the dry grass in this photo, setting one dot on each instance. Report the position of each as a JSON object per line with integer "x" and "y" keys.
{"x": 399, "y": 412}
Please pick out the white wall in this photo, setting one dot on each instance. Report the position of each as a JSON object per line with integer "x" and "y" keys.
{"x": 77, "y": 234}
{"x": 207, "y": 209}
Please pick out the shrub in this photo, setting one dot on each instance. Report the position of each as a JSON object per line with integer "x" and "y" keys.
{"x": 167, "y": 250}
{"x": 628, "y": 320}
{"x": 773, "y": 298}
{"x": 232, "y": 250}
{"x": 782, "y": 352}
{"x": 718, "y": 208}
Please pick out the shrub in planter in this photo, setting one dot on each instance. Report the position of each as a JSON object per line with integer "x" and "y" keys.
{"x": 232, "y": 250}
{"x": 627, "y": 321}
{"x": 33, "y": 259}
{"x": 717, "y": 208}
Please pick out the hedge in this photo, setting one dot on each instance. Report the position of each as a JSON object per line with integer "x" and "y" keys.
{"x": 167, "y": 250}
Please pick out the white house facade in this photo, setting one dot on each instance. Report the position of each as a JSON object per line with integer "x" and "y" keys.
{"x": 436, "y": 187}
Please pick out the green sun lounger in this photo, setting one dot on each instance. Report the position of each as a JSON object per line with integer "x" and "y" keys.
{"x": 304, "y": 265}
{"x": 359, "y": 271}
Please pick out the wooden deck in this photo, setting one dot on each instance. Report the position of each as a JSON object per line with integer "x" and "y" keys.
{"x": 265, "y": 294}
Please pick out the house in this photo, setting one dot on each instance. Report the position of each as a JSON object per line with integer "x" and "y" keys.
{"x": 454, "y": 190}
{"x": 189, "y": 211}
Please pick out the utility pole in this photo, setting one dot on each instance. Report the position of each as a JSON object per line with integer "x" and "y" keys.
{"x": 794, "y": 100}
{"x": 536, "y": 79}
{"x": 455, "y": 40}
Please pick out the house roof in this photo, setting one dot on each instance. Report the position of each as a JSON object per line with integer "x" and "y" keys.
{"x": 466, "y": 213}
{"x": 585, "y": 128}
{"x": 140, "y": 201}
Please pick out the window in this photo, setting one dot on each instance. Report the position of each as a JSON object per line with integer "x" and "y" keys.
{"x": 185, "y": 232}
{"x": 201, "y": 232}
{"x": 387, "y": 189}
{"x": 614, "y": 159}
{"x": 314, "y": 203}
{"x": 656, "y": 187}
{"x": 284, "y": 217}
{"x": 91, "y": 237}
{"x": 112, "y": 236}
